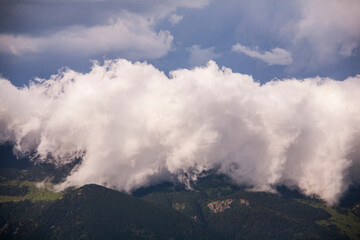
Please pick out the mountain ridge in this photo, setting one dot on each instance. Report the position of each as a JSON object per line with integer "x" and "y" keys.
{"x": 216, "y": 208}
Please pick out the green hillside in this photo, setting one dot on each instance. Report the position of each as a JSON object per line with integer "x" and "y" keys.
{"x": 95, "y": 212}
{"x": 239, "y": 214}
{"x": 26, "y": 190}
{"x": 215, "y": 209}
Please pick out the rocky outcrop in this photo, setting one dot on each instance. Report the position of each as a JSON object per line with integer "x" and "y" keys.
{"x": 219, "y": 206}
{"x": 179, "y": 206}
{"x": 244, "y": 202}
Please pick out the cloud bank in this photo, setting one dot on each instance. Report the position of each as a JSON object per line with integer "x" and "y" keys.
{"x": 131, "y": 35}
{"x": 134, "y": 127}
{"x": 126, "y": 28}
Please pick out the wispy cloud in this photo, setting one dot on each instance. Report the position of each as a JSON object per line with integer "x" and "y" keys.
{"x": 175, "y": 19}
{"x": 276, "y": 56}
{"x": 200, "y": 56}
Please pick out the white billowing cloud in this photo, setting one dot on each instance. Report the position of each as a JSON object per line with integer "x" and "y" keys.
{"x": 136, "y": 127}
{"x": 131, "y": 35}
{"x": 330, "y": 27}
{"x": 200, "y": 56}
{"x": 276, "y": 56}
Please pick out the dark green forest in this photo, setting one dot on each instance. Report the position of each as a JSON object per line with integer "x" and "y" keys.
{"x": 215, "y": 208}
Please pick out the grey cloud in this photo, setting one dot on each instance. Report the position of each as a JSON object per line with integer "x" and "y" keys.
{"x": 175, "y": 19}
{"x": 132, "y": 35}
{"x": 200, "y": 56}
{"x": 330, "y": 28}
{"x": 317, "y": 33}
{"x": 88, "y": 27}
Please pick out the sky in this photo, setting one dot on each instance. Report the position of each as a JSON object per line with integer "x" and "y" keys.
{"x": 266, "y": 92}
{"x": 265, "y": 39}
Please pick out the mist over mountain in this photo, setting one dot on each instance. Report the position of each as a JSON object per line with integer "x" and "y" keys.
{"x": 134, "y": 126}
{"x": 180, "y": 119}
